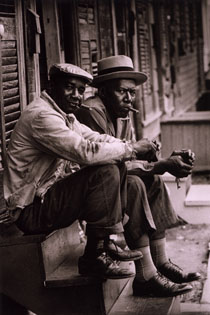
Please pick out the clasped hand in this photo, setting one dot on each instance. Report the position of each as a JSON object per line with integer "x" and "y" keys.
{"x": 180, "y": 163}
{"x": 146, "y": 150}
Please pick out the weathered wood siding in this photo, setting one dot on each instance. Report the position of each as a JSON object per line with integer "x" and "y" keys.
{"x": 187, "y": 81}
{"x": 188, "y": 131}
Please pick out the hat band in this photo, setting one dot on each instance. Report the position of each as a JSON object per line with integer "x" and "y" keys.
{"x": 112, "y": 70}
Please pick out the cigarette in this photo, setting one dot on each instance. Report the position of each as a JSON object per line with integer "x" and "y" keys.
{"x": 133, "y": 110}
{"x": 86, "y": 107}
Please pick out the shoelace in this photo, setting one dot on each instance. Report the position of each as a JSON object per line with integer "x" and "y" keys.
{"x": 115, "y": 245}
{"x": 108, "y": 261}
{"x": 165, "y": 282}
{"x": 174, "y": 266}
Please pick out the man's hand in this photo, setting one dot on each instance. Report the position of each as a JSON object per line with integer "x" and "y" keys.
{"x": 146, "y": 150}
{"x": 177, "y": 167}
{"x": 187, "y": 155}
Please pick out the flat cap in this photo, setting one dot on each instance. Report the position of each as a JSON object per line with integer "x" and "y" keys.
{"x": 70, "y": 70}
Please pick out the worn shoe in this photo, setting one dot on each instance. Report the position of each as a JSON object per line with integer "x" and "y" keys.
{"x": 103, "y": 267}
{"x": 117, "y": 253}
{"x": 176, "y": 274}
{"x": 159, "y": 286}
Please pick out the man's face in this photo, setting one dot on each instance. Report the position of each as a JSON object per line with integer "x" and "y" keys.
{"x": 69, "y": 93}
{"x": 119, "y": 96}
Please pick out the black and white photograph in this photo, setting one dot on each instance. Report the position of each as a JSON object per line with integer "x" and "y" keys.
{"x": 104, "y": 157}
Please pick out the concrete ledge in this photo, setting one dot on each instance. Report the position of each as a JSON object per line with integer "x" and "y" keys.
{"x": 189, "y": 308}
{"x": 177, "y": 195}
{"x": 198, "y": 195}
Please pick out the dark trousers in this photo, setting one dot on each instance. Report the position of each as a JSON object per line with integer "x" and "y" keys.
{"x": 103, "y": 196}
{"x": 96, "y": 194}
{"x": 149, "y": 208}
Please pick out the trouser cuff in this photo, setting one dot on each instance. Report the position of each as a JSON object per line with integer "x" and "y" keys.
{"x": 101, "y": 232}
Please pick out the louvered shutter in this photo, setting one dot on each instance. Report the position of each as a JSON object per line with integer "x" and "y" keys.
{"x": 11, "y": 93}
{"x": 88, "y": 34}
{"x": 145, "y": 55}
{"x": 88, "y": 37}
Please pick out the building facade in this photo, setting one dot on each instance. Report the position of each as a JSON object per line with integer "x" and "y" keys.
{"x": 164, "y": 38}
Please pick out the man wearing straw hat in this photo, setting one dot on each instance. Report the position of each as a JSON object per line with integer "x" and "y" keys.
{"x": 109, "y": 114}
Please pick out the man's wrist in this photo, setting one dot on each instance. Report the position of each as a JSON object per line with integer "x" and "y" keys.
{"x": 131, "y": 153}
{"x": 160, "y": 167}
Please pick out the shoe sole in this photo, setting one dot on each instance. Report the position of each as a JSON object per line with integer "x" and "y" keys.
{"x": 106, "y": 276}
{"x": 128, "y": 259}
{"x": 181, "y": 281}
{"x": 135, "y": 293}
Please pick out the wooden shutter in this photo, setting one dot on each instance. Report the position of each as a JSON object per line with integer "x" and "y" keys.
{"x": 12, "y": 92}
{"x": 88, "y": 34}
{"x": 145, "y": 54}
{"x": 88, "y": 37}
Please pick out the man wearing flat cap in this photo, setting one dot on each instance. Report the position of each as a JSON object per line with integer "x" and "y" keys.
{"x": 59, "y": 170}
{"x": 117, "y": 82}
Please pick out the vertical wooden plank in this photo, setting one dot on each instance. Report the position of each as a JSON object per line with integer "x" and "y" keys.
{"x": 52, "y": 33}
{"x": 114, "y": 29}
{"x": 135, "y": 39}
{"x": 3, "y": 142}
{"x": 105, "y": 29}
{"x": 21, "y": 54}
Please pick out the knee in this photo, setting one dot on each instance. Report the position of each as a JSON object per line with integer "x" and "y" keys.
{"x": 135, "y": 184}
{"x": 110, "y": 172}
{"x": 158, "y": 181}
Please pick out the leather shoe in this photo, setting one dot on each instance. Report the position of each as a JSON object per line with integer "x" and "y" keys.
{"x": 176, "y": 274}
{"x": 159, "y": 286}
{"x": 103, "y": 267}
{"x": 117, "y": 253}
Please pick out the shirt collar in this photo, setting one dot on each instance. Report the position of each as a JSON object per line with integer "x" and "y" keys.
{"x": 46, "y": 97}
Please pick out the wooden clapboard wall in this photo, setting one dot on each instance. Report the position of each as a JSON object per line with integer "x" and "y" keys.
{"x": 12, "y": 90}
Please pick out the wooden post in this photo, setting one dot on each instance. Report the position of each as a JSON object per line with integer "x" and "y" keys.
{"x": 51, "y": 29}
{"x": 3, "y": 142}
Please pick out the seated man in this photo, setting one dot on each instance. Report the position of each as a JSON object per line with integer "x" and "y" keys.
{"x": 59, "y": 170}
{"x": 109, "y": 114}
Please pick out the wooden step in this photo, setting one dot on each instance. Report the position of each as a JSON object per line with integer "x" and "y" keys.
{"x": 132, "y": 305}
{"x": 66, "y": 275}
{"x": 40, "y": 273}
{"x": 23, "y": 278}
{"x": 59, "y": 245}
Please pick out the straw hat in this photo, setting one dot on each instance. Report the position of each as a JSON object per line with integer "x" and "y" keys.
{"x": 117, "y": 67}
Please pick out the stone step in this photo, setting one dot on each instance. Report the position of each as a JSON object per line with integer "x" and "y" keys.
{"x": 191, "y": 202}
{"x": 195, "y": 309}
{"x": 198, "y": 195}
{"x": 177, "y": 191}
{"x": 196, "y": 208}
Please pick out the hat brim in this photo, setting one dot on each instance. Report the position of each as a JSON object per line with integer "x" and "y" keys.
{"x": 138, "y": 77}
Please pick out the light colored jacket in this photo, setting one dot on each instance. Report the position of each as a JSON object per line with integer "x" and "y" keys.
{"x": 47, "y": 145}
